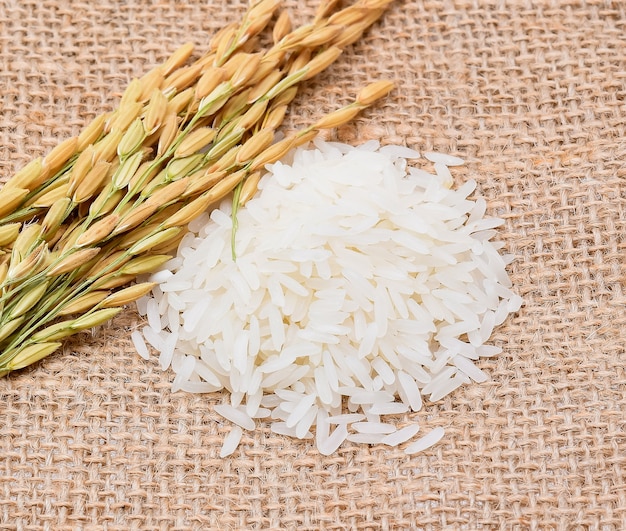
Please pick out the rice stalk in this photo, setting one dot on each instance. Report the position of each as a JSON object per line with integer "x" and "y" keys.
{"x": 111, "y": 203}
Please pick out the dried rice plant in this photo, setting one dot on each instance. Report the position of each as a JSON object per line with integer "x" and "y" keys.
{"x": 78, "y": 226}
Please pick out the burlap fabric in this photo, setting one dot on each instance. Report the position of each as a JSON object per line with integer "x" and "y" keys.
{"x": 532, "y": 95}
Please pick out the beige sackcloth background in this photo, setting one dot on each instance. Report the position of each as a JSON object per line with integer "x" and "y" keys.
{"x": 531, "y": 94}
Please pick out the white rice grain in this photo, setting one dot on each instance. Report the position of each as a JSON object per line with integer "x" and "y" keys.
{"x": 373, "y": 427}
{"x": 345, "y": 418}
{"x": 361, "y": 285}
{"x": 443, "y": 158}
{"x": 402, "y": 435}
{"x": 411, "y": 390}
{"x": 231, "y": 441}
{"x": 365, "y": 438}
{"x": 281, "y": 428}
{"x": 470, "y": 369}
{"x": 184, "y": 372}
{"x": 425, "y": 442}
{"x": 153, "y": 315}
{"x": 140, "y": 344}
{"x": 399, "y": 152}
{"x": 389, "y": 408}
{"x": 235, "y": 415}
{"x": 334, "y": 441}
{"x": 153, "y": 338}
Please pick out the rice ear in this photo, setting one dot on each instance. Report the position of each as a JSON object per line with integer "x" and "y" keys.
{"x": 272, "y": 153}
{"x": 264, "y": 86}
{"x": 337, "y": 118}
{"x": 92, "y": 132}
{"x": 60, "y": 154}
{"x": 29, "y": 177}
{"x": 55, "y": 217}
{"x": 168, "y": 133}
{"x": 25, "y": 241}
{"x": 195, "y": 141}
{"x": 154, "y": 240}
{"x": 92, "y": 182}
{"x": 9, "y": 327}
{"x": 125, "y": 116}
{"x": 245, "y": 72}
{"x": 127, "y": 170}
{"x": 114, "y": 280}
{"x": 9, "y": 233}
{"x": 127, "y": 295}
{"x": 151, "y": 81}
{"x": 107, "y": 147}
{"x": 249, "y": 188}
{"x": 28, "y": 355}
{"x": 73, "y": 261}
{"x": 177, "y": 59}
{"x": 132, "y": 139}
{"x": 10, "y": 198}
{"x": 374, "y": 91}
{"x": 282, "y": 26}
{"x": 179, "y": 167}
{"x": 84, "y": 303}
{"x": 189, "y": 212}
{"x": 180, "y": 102}
{"x": 98, "y": 231}
{"x": 134, "y": 218}
{"x": 155, "y": 112}
{"x": 321, "y": 62}
{"x": 28, "y": 300}
{"x": 81, "y": 168}
{"x": 168, "y": 193}
{"x": 182, "y": 78}
{"x": 183, "y": 136}
{"x": 30, "y": 265}
{"x": 131, "y": 94}
{"x": 201, "y": 181}
{"x": 255, "y": 145}
{"x": 144, "y": 264}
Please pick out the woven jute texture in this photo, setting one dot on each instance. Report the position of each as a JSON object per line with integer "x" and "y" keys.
{"x": 532, "y": 95}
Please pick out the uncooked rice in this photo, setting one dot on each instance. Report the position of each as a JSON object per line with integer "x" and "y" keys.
{"x": 361, "y": 286}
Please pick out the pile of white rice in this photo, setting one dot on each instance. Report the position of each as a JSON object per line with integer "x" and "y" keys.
{"x": 360, "y": 287}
